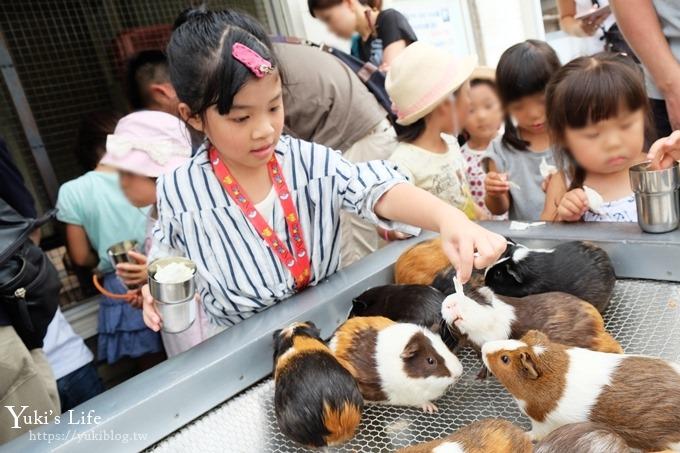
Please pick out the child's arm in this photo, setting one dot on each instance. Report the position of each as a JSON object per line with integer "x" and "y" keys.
{"x": 497, "y": 189}
{"x": 554, "y": 193}
{"x": 79, "y": 247}
{"x": 460, "y": 237}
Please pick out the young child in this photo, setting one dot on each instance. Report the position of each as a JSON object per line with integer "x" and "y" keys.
{"x": 259, "y": 212}
{"x": 378, "y": 35}
{"x": 144, "y": 146}
{"x": 97, "y": 215}
{"x": 480, "y": 129}
{"x": 598, "y": 114}
{"x": 514, "y": 183}
{"x": 428, "y": 105}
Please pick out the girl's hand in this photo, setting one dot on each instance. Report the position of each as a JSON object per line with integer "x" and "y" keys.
{"x": 461, "y": 238}
{"x": 664, "y": 152}
{"x": 391, "y": 235}
{"x": 496, "y": 184}
{"x": 133, "y": 273}
{"x": 572, "y": 206}
{"x": 152, "y": 318}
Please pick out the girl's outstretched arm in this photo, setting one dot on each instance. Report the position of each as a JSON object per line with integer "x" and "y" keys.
{"x": 460, "y": 237}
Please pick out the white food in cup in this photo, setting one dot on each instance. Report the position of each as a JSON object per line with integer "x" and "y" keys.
{"x": 173, "y": 273}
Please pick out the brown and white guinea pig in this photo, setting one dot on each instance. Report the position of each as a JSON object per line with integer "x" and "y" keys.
{"x": 637, "y": 397}
{"x": 484, "y": 436}
{"x": 416, "y": 304}
{"x": 480, "y": 316}
{"x": 584, "y": 437}
{"x": 396, "y": 363}
{"x": 577, "y": 268}
{"x": 316, "y": 400}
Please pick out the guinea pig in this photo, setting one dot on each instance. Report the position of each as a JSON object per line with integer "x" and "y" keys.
{"x": 480, "y": 315}
{"x": 577, "y": 268}
{"x": 420, "y": 264}
{"x": 484, "y": 436}
{"x": 316, "y": 400}
{"x": 637, "y": 397}
{"x": 443, "y": 281}
{"x": 584, "y": 437}
{"x": 416, "y": 304}
{"x": 396, "y": 363}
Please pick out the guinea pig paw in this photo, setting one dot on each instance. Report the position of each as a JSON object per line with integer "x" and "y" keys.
{"x": 483, "y": 373}
{"x": 430, "y": 408}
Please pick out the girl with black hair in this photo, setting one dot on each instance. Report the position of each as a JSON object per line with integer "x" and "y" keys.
{"x": 381, "y": 34}
{"x": 257, "y": 211}
{"x": 514, "y": 183}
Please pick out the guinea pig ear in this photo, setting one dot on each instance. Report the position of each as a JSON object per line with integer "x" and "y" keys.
{"x": 528, "y": 365}
{"x": 514, "y": 274}
{"x": 410, "y": 350}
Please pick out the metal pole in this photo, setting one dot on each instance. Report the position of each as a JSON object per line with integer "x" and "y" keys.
{"x": 18, "y": 95}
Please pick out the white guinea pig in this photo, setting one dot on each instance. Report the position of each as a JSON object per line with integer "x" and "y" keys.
{"x": 396, "y": 363}
{"x": 637, "y": 397}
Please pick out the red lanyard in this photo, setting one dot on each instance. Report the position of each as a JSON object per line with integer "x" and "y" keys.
{"x": 297, "y": 264}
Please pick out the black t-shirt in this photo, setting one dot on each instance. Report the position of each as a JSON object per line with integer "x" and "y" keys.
{"x": 390, "y": 26}
{"x": 13, "y": 190}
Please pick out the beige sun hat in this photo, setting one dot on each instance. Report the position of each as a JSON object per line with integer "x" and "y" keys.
{"x": 421, "y": 77}
{"x": 484, "y": 73}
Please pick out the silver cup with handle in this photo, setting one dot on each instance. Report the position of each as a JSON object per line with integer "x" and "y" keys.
{"x": 174, "y": 299}
{"x": 118, "y": 253}
{"x": 657, "y": 196}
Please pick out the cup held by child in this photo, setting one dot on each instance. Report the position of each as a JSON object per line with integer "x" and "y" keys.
{"x": 172, "y": 286}
{"x": 657, "y": 196}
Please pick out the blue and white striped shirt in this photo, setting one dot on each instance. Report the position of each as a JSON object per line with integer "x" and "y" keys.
{"x": 237, "y": 274}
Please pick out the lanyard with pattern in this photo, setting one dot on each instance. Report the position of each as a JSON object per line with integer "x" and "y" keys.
{"x": 297, "y": 264}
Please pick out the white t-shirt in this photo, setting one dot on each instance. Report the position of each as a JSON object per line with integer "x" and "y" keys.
{"x": 65, "y": 350}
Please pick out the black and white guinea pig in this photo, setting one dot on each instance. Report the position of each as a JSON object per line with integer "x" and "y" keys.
{"x": 396, "y": 363}
{"x": 577, "y": 268}
{"x": 637, "y": 397}
{"x": 584, "y": 437}
{"x": 416, "y": 304}
{"x": 443, "y": 281}
{"x": 487, "y": 436}
{"x": 316, "y": 400}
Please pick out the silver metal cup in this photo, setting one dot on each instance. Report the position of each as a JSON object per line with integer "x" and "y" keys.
{"x": 657, "y": 196}
{"x": 174, "y": 301}
{"x": 118, "y": 253}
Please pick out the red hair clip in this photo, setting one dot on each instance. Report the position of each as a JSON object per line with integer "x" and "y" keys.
{"x": 251, "y": 60}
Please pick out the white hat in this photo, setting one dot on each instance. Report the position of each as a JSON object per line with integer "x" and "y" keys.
{"x": 421, "y": 77}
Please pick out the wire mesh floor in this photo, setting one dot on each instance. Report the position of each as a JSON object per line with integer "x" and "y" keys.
{"x": 643, "y": 316}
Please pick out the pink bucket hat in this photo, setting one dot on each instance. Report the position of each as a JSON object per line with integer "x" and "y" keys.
{"x": 148, "y": 143}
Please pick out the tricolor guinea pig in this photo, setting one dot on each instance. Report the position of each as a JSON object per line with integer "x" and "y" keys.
{"x": 416, "y": 304}
{"x": 396, "y": 363}
{"x": 637, "y": 397}
{"x": 316, "y": 400}
{"x": 584, "y": 437}
{"x": 480, "y": 315}
{"x": 577, "y": 268}
{"x": 484, "y": 436}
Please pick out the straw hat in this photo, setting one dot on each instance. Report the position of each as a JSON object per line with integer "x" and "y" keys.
{"x": 148, "y": 143}
{"x": 421, "y": 77}
{"x": 484, "y": 73}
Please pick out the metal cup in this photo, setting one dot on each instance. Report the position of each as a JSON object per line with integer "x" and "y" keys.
{"x": 657, "y": 196}
{"x": 118, "y": 253}
{"x": 174, "y": 301}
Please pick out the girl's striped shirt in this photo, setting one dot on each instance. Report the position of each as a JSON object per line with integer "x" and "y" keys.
{"x": 237, "y": 274}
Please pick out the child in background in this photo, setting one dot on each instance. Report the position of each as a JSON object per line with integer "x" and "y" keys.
{"x": 598, "y": 114}
{"x": 428, "y": 105}
{"x": 480, "y": 129}
{"x": 97, "y": 215}
{"x": 259, "y": 212}
{"x": 144, "y": 146}
{"x": 514, "y": 183}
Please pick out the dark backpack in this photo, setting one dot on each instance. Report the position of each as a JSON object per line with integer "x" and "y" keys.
{"x": 29, "y": 283}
